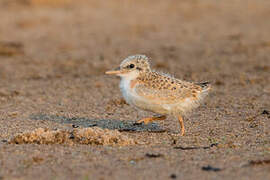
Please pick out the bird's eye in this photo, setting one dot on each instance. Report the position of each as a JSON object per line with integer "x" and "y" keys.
{"x": 131, "y": 66}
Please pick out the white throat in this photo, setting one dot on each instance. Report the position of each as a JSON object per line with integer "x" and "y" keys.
{"x": 125, "y": 84}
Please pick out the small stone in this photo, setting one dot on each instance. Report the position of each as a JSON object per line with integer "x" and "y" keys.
{"x": 173, "y": 176}
{"x": 75, "y": 126}
{"x": 266, "y": 112}
{"x": 210, "y": 168}
{"x": 152, "y": 155}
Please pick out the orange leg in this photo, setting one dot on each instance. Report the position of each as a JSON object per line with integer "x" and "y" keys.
{"x": 150, "y": 119}
{"x": 181, "y": 125}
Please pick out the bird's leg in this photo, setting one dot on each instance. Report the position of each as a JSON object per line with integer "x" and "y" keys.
{"x": 181, "y": 125}
{"x": 150, "y": 119}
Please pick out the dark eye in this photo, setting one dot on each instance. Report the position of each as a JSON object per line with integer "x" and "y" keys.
{"x": 131, "y": 66}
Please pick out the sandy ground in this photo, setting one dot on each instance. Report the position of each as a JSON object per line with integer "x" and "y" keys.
{"x": 53, "y": 55}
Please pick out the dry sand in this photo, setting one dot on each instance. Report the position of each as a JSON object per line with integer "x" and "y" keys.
{"x": 53, "y": 54}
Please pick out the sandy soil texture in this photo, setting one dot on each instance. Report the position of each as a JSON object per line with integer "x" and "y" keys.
{"x": 62, "y": 118}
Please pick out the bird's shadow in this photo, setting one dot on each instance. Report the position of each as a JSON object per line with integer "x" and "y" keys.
{"x": 127, "y": 126}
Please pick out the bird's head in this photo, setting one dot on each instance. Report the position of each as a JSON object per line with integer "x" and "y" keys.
{"x": 132, "y": 66}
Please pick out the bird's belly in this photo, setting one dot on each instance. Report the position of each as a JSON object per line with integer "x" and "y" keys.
{"x": 132, "y": 98}
{"x": 156, "y": 107}
{"x": 181, "y": 107}
{"x": 151, "y": 106}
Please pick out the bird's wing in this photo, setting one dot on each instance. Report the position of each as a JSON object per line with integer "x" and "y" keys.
{"x": 168, "y": 96}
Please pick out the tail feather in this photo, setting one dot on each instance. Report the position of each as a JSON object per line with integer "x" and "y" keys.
{"x": 204, "y": 85}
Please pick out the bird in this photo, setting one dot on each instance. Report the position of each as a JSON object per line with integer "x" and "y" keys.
{"x": 158, "y": 92}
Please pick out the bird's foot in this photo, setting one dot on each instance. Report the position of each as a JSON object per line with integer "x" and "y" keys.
{"x": 144, "y": 120}
{"x": 150, "y": 119}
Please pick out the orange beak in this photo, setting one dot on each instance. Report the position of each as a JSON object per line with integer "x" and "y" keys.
{"x": 114, "y": 72}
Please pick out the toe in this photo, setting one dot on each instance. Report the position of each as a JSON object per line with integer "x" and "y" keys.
{"x": 182, "y": 133}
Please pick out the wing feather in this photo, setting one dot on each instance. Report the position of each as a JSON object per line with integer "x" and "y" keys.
{"x": 168, "y": 96}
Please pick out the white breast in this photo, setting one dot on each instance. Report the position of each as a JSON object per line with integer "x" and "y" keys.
{"x": 125, "y": 88}
{"x": 128, "y": 93}
{"x": 134, "y": 99}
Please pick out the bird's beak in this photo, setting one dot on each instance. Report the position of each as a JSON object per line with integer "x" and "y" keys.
{"x": 115, "y": 71}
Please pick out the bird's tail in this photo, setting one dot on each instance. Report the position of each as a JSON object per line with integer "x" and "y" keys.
{"x": 204, "y": 85}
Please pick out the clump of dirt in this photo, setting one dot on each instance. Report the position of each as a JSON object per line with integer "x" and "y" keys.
{"x": 42, "y": 136}
{"x": 100, "y": 136}
{"x": 93, "y": 136}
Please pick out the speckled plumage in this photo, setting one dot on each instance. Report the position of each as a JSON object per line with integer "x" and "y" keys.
{"x": 174, "y": 96}
{"x": 157, "y": 92}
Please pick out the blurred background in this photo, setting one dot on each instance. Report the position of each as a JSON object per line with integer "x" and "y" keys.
{"x": 53, "y": 38}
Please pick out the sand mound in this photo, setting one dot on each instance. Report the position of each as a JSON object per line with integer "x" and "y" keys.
{"x": 101, "y": 137}
{"x": 93, "y": 136}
